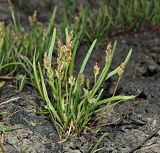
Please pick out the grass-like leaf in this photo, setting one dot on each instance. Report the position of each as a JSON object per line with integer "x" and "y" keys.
{"x": 71, "y": 104}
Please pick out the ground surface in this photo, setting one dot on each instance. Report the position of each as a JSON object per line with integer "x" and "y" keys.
{"x": 132, "y": 127}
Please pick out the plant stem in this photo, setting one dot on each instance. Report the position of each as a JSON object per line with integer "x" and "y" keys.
{"x": 115, "y": 89}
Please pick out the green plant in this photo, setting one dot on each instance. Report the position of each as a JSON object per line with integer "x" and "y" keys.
{"x": 94, "y": 147}
{"x": 20, "y": 82}
{"x": 135, "y": 15}
{"x": 70, "y": 5}
{"x": 100, "y": 26}
{"x": 116, "y": 16}
{"x": 17, "y": 45}
{"x": 73, "y": 102}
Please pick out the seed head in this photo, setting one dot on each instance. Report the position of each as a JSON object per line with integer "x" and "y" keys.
{"x": 33, "y": 19}
{"x": 91, "y": 100}
{"x": 69, "y": 46}
{"x": 108, "y": 51}
{"x": 88, "y": 83}
{"x": 121, "y": 69}
{"x": 46, "y": 61}
{"x": 72, "y": 80}
{"x": 96, "y": 69}
{"x": 64, "y": 55}
{"x": 48, "y": 67}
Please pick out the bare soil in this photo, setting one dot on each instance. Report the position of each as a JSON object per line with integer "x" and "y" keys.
{"x": 132, "y": 127}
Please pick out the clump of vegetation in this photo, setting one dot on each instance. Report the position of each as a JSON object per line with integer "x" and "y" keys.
{"x": 114, "y": 17}
{"x": 73, "y": 101}
{"x": 18, "y": 45}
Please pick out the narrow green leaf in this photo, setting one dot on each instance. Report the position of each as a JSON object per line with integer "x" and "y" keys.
{"x": 36, "y": 76}
{"x": 67, "y": 34}
{"x": 51, "y": 23}
{"x": 87, "y": 56}
{"x": 109, "y": 100}
{"x": 45, "y": 94}
{"x": 52, "y": 46}
{"x": 116, "y": 70}
{"x": 98, "y": 143}
{"x": 112, "y": 73}
{"x": 128, "y": 57}
{"x": 76, "y": 42}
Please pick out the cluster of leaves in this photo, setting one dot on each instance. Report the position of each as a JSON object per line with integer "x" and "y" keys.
{"x": 135, "y": 14}
{"x": 73, "y": 102}
{"x": 114, "y": 17}
{"x": 17, "y": 47}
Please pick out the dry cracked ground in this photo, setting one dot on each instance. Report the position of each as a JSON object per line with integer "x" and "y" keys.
{"x": 132, "y": 127}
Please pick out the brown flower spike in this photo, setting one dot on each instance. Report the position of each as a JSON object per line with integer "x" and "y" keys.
{"x": 96, "y": 71}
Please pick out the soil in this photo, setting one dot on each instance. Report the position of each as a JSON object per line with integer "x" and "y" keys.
{"x": 138, "y": 126}
{"x": 132, "y": 126}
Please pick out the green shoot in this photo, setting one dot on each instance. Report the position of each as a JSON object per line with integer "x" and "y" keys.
{"x": 71, "y": 104}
